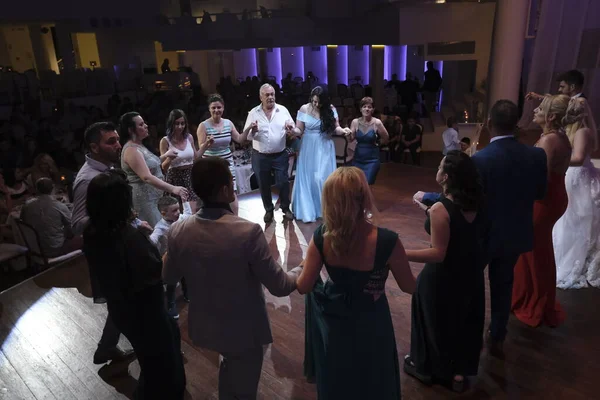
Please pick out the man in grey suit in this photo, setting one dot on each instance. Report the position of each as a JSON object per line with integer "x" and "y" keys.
{"x": 226, "y": 261}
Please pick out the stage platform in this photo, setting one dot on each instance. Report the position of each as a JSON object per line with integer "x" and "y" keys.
{"x": 49, "y": 327}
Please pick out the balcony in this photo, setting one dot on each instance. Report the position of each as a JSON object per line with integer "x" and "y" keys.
{"x": 390, "y": 24}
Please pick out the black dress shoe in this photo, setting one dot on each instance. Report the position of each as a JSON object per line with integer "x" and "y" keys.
{"x": 287, "y": 214}
{"x": 268, "y": 217}
{"x": 102, "y": 356}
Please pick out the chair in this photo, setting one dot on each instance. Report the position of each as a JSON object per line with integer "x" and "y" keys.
{"x": 406, "y": 153}
{"x": 342, "y": 157}
{"x": 11, "y": 251}
{"x": 342, "y": 90}
{"x": 384, "y": 153}
{"x": 36, "y": 253}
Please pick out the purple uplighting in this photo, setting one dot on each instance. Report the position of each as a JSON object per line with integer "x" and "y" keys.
{"x": 358, "y": 63}
{"x": 342, "y": 64}
{"x": 315, "y": 60}
{"x": 274, "y": 64}
{"x": 388, "y": 55}
{"x": 244, "y": 63}
{"x": 401, "y": 59}
{"x": 292, "y": 61}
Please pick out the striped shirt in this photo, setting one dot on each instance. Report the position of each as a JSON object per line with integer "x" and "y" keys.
{"x": 221, "y": 147}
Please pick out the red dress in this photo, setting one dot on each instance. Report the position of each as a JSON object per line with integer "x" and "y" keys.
{"x": 534, "y": 289}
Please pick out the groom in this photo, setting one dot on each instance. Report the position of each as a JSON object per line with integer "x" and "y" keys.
{"x": 513, "y": 176}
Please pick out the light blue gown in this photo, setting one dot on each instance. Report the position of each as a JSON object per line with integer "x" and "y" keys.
{"x": 315, "y": 163}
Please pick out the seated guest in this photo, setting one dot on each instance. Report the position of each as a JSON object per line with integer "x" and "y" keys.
{"x": 127, "y": 267}
{"x": 465, "y": 145}
{"x": 52, "y": 221}
{"x": 226, "y": 260}
{"x": 43, "y": 167}
{"x": 169, "y": 209}
{"x": 411, "y": 139}
{"x": 350, "y": 344}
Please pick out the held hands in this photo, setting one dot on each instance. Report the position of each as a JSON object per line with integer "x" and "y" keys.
{"x": 418, "y": 197}
{"x": 347, "y": 132}
{"x": 289, "y": 127}
{"x": 254, "y": 127}
{"x": 145, "y": 228}
{"x": 210, "y": 140}
{"x": 421, "y": 205}
{"x": 181, "y": 192}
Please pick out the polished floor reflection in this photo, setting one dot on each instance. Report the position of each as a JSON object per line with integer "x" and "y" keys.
{"x": 49, "y": 327}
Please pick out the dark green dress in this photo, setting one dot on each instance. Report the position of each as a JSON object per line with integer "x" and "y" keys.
{"x": 448, "y": 306}
{"x": 350, "y": 344}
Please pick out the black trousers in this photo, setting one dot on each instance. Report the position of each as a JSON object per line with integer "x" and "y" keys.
{"x": 156, "y": 341}
{"x": 110, "y": 334}
{"x": 263, "y": 164}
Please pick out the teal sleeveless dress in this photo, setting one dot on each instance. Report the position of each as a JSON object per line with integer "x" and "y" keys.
{"x": 350, "y": 348}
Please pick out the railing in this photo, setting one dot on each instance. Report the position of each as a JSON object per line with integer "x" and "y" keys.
{"x": 240, "y": 16}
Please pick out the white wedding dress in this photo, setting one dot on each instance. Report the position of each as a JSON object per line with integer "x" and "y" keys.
{"x": 576, "y": 235}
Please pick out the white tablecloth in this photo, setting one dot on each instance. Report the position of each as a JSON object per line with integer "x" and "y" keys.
{"x": 242, "y": 176}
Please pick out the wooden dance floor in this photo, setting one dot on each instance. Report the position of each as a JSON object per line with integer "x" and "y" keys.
{"x": 49, "y": 328}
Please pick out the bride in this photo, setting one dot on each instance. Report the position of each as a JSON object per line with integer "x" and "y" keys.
{"x": 576, "y": 235}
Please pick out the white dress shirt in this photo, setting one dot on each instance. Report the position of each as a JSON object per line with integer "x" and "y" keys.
{"x": 271, "y": 136}
{"x": 451, "y": 142}
{"x": 161, "y": 229}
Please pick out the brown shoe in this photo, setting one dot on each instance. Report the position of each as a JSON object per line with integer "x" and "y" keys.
{"x": 495, "y": 347}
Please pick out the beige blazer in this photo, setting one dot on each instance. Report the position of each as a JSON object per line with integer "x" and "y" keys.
{"x": 225, "y": 261}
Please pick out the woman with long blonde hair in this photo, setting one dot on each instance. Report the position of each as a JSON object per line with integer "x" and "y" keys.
{"x": 534, "y": 289}
{"x": 576, "y": 234}
{"x": 350, "y": 345}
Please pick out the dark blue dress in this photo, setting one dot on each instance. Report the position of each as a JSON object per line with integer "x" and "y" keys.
{"x": 366, "y": 155}
{"x": 350, "y": 346}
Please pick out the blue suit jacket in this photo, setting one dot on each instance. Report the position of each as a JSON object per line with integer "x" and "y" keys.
{"x": 513, "y": 176}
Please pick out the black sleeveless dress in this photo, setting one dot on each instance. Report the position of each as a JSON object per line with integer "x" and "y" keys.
{"x": 448, "y": 306}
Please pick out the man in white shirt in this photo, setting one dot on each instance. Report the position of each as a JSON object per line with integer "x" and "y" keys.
{"x": 268, "y": 125}
{"x": 450, "y": 136}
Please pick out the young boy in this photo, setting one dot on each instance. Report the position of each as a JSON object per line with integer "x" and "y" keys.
{"x": 169, "y": 209}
